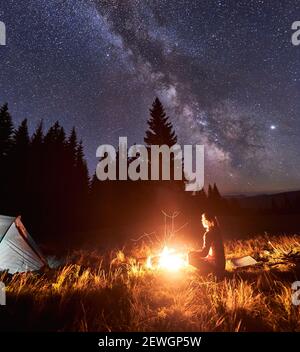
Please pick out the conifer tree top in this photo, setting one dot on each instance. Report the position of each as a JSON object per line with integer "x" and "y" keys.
{"x": 160, "y": 129}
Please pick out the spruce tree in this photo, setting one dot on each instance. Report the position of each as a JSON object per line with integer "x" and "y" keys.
{"x": 81, "y": 165}
{"x": 160, "y": 132}
{"x": 72, "y": 146}
{"x": 81, "y": 190}
{"x": 21, "y": 138}
{"x": 38, "y": 210}
{"x": 19, "y": 167}
{"x": 216, "y": 193}
{"x": 160, "y": 128}
{"x": 6, "y": 131}
{"x": 38, "y": 136}
{"x": 210, "y": 192}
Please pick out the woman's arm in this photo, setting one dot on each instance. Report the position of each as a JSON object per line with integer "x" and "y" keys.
{"x": 207, "y": 241}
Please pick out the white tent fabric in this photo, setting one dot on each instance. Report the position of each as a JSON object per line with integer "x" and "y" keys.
{"x": 243, "y": 261}
{"x": 18, "y": 251}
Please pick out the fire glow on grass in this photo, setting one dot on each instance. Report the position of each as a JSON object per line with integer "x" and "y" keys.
{"x": 168, "y": 259}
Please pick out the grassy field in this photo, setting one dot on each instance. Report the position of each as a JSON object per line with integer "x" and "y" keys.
{"x": 115, "y": 292}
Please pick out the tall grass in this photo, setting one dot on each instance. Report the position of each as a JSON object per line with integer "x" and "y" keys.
{"x": 115, "y": 292}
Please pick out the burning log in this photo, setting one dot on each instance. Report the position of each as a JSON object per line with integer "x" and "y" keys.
{"x": 168, "y": 259}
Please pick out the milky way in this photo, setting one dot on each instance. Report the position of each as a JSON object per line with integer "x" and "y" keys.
{"x": 226, "y": 72}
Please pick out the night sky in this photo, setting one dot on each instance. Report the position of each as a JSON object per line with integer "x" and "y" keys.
{"x": 226, "y": 72}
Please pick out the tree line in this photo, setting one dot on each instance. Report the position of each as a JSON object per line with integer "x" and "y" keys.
{"x": 44, "y": 177}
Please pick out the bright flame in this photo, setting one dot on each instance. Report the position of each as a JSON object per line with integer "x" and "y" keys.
{"x": 169, "y": 260}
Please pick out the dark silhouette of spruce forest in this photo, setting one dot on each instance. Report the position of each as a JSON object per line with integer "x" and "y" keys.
{"x": 44, "y": 177}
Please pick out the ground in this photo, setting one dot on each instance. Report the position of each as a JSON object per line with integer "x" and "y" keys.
{"x": 115, "y": 292}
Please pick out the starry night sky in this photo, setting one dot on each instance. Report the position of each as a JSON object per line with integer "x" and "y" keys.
{"x": 226, "y": 72}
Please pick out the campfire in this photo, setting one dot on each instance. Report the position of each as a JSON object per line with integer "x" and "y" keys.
{"x": 169, "y": 259}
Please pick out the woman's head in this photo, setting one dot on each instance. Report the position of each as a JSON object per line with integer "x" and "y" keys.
{"x": 208, "y": 220}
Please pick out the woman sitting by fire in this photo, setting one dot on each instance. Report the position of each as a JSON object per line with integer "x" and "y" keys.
{"x": 211, "y": 258}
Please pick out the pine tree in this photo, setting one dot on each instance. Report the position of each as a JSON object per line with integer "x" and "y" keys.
{"x": 160, "y": 132}
{"x": 38, "y": 136}
{"x": 210, "y": 192}
{"x": 21, "y": 138}
{"x": 37, "y": 157}
{"x": 72, "y": 145}
{"x": 216, "y": 202}
{"x": 81, "y": 165}
{"x": 19, "y": 168}
{"x": 55, "y": 179}
{"x": 81, "y": 189}
{"x": 55, "y": 135}
{"x": 215, "y": 192}
{"x": 37, "y": 212}
{"x": 160, "y": 129}
{"x": 6, "y": 131}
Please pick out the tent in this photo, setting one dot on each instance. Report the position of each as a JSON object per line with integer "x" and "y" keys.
{"x": 18, "y": 251}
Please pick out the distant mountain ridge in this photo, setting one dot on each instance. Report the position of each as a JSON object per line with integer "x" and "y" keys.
{"x": 267, "y": 200}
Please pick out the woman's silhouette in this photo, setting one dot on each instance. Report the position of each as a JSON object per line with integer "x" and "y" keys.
{"x": 211, "y": 258}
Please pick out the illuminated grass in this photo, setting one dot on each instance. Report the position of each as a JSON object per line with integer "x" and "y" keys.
{"x": 116, "y": 293}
